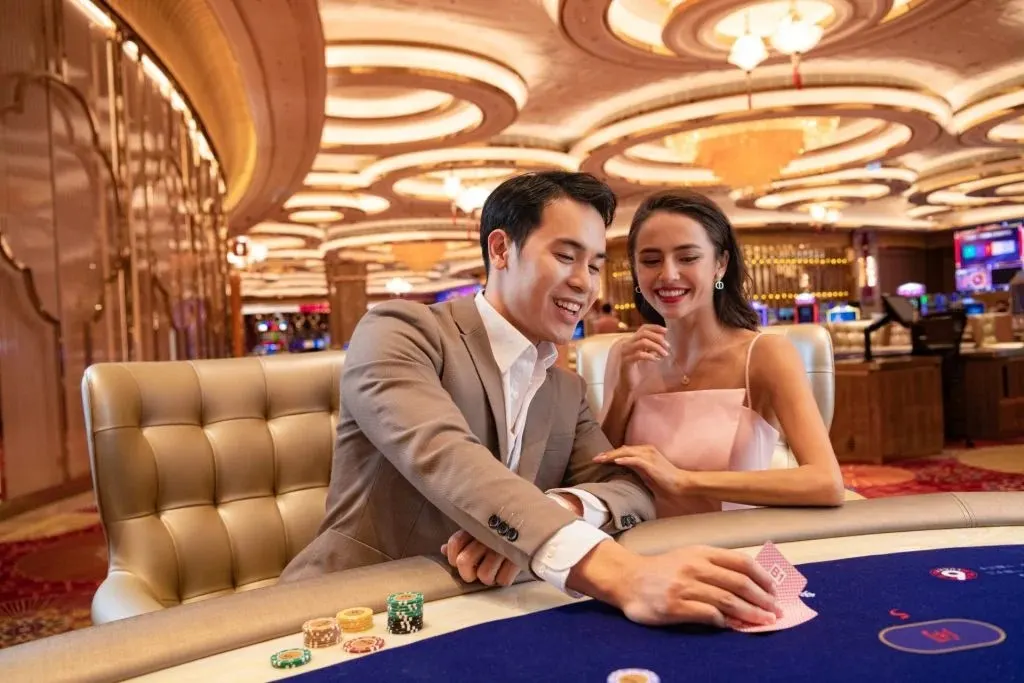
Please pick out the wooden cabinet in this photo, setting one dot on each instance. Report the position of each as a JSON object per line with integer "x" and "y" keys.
{"x": 987, "y": 401}
{"x": 887, "y": 409}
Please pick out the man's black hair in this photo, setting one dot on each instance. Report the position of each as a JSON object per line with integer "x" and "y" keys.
{"x": 517, "y": 204}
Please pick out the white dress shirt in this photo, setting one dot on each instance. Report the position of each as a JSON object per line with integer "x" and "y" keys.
{"x": 523, "y": 368}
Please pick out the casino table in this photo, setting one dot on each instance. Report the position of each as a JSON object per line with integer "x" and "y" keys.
{"x": 909, "y": 588}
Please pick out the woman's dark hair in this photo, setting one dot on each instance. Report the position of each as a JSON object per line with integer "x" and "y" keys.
{"x": 731, "y": 304}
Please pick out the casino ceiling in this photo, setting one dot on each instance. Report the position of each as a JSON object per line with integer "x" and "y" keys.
{"x": 892, "y": 114}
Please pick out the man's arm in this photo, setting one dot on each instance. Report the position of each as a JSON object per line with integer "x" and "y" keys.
{"x": 392, "y": 387}
{"x": 626, "y": 500}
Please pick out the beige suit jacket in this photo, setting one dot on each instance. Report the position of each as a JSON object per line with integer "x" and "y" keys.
{"x": 417, "y": 455}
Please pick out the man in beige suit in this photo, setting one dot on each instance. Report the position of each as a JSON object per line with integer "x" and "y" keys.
{"x": 456, "y": 433}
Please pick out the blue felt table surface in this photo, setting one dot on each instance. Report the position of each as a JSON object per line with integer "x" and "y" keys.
{"x": 586, "y": 641}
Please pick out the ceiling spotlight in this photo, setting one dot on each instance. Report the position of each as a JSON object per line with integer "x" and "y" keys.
{"x": 398, "y": 286}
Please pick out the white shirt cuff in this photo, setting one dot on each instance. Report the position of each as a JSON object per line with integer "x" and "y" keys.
{"x": 563, "y": 551}
{"x": 595, "y": 512}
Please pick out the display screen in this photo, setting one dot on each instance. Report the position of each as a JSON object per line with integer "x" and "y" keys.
{"x": 978, "y": 252}
{"x": 973, "y": 279}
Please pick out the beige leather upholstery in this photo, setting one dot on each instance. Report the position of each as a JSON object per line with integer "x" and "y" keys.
{"x": 811, "y": 341}
{"x": 156, "y": 641}
{"x": 209, "y": 475}
{"x": 848, "y": 337}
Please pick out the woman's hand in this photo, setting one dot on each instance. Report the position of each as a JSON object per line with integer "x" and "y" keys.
{"x": 661, "y": 476}
{"x": 647, "y": 344}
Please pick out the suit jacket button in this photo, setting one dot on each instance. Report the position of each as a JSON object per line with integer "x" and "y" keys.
{"x": 493, "y": 521}
{"x": 512, "y": 535}
{"x": 502, "y": 528}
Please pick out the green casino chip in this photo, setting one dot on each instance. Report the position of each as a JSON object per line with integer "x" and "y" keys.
{"x": 290, "y": 658}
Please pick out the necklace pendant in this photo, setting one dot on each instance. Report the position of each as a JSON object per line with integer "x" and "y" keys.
{"x": 686, "y": 380}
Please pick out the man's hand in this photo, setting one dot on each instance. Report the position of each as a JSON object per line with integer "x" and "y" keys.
{"x": 476, "y": 562}
{"x": 698, "y": 585}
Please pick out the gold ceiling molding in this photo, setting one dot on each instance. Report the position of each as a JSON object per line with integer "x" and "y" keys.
{"x": 427, "y": 176}
{"x": 656, "y": 34}
{"x": 390, "y": 98}
{"x": 983, "y": 182}
{"x": 848, "y": 187}
{"x": 187, "y": 38}
{"x": 993, "y": 121}
{"x": 255, "y": 74}
{"x": 913, "y": 120}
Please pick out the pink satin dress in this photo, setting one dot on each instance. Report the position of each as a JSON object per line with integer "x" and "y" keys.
{"x": 704, "y": 430}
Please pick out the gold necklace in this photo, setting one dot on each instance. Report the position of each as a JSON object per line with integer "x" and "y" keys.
{"x": 686, "y": 374}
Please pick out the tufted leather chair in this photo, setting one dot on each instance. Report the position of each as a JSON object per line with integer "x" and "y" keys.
{"x": 812, "y": 342}
{"x": 210, "y": 476}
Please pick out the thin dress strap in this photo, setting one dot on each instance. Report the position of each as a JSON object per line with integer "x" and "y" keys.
{"x": 746, "y": 371}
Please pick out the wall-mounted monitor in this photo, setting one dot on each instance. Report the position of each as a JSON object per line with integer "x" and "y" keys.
{"x": 987, "y": 256}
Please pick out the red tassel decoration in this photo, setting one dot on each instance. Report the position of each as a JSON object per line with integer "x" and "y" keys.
{"x": 798, "y": 82}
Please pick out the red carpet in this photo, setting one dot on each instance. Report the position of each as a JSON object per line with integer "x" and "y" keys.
{"x": 47, "y": 584}
{"x": 912, "y": 477}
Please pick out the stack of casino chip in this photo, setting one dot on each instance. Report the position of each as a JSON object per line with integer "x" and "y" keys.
{"x": 317, "y": 633}
{"x": 405, "y": 613}
{"x": 355, "y": 619}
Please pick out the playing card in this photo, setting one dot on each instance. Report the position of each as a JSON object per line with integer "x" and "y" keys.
{"x": 793, "y": 614}
{"x": 789, "y": 584}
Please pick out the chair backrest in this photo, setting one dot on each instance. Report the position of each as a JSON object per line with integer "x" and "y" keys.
{"x": 210, "y": 476}
{"x": 811, "y": 341}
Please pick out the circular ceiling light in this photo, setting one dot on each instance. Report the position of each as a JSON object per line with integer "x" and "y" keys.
{"x": 316, "y": 216}
{"x": 388, "y": 98}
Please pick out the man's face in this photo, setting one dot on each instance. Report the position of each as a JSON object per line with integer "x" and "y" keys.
{"x": 546, "y": 287}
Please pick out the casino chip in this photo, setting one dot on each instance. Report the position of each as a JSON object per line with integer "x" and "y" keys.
{"x": 291, "y": 658}
{"x": 633, "y": 676}
{"x": 405, "y": 613}
{"x": 363, "y": 645}
{"x": 323, "y": 632}
{"x": 355, "y": 619}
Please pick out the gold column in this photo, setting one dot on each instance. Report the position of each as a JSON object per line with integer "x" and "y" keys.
{"x": 237, "y": 326}
{"x": 346, "y": 294}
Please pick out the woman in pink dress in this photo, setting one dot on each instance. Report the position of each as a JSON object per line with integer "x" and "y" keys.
{"x": 695, "y": 398}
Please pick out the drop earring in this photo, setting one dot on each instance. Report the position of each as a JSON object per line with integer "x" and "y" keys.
{"x": 638, "y": 290}
{"x": 719, "y": 285}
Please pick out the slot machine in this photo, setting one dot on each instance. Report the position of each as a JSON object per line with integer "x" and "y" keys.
{"x": 762, "y": 313}
{"x": 806, "y": 308}
{"x": 842, "y": 313}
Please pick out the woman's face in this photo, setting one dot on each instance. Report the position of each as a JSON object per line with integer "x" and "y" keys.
{"x": 676, "y": 264}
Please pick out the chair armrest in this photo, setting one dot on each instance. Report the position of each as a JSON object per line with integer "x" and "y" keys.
{"x": 121, "y": 595}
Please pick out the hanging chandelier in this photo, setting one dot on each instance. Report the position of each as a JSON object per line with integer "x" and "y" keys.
{"x": 752, "y": 154}
{"x": 419, "y": 257}
{"x": 794, "y": 36}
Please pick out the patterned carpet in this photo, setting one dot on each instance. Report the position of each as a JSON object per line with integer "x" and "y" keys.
{"x": 987, "y": 467}
{"x": 51, "y": 562}
{"x": 50, "y": 566}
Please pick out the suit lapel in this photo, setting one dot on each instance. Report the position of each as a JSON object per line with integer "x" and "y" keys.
{"x": 474, "y": 335}
{"x": 538, "y": 427}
